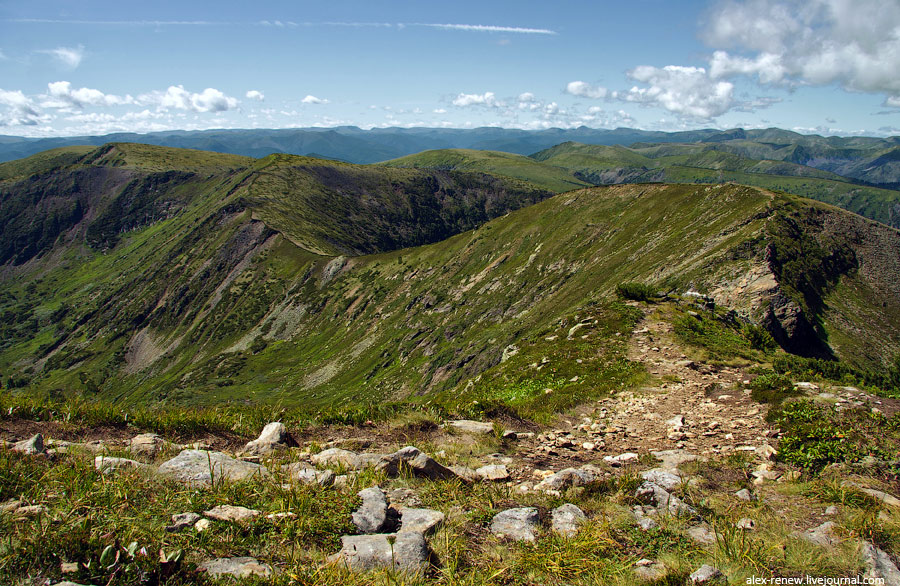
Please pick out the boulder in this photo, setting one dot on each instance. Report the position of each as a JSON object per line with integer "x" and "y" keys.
{"x": 660, "y": 498}
{"x": 109, "y": 464}
{"x": 701, "y": 534}
{"x": 147, "y": 444}
{"x": 879, "y": 567}
{"x": 273, "y": 437}
{"x": 744, "y": 495}
{"x": 335, "y": 457}
{"x": 417, "y": 462}
{"x": 425, "y": 521}
{"x": 706, "y": 574}
{"x": 182, "y": 521}
{"x": 303, "y": 474}
{"x": 667, "y": 479}
{"x": 241, "y": 567}
{"x": 372, "y": 514}
{"x": 493, "y": 472}
{"x": 202, "y": 468}
{"x": 566, "y": 519}
{"x": 403, "y": 552}
{"x": 823, "y": 535}
{"x": 568, "y": 477}
{"x": 33, "y": 445}
{"x": 231, "y": 513}
{"x": 672, "y": 459}
{"x": 473, "y": 427}
{"x": 516, "y": 524}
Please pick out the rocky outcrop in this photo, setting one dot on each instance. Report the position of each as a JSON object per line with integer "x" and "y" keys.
{"x": 402, "y": 552}
{"x": 516, "y": 524}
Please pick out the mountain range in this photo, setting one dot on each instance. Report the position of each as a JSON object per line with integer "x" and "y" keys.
{"x": 150, "y": 274}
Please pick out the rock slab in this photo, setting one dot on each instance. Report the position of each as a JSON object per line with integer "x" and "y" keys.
{"x": 566, "y": 519}
{"x": 241, "y": 567}
{"x": 425, "y": 521}
{"x": 372, "y": 514}
{"x": 516, "y": 524}
{"x": 202, "y": 468}
{"x": 404, "y": 552}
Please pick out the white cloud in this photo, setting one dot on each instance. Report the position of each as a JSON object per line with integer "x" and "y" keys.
{"x": 586, "y": 90}
{"x": 20, "y": 110}
{"x": 439, "y": 111}
{"x": 209, "y": 100}
{"x": 687, "y": 91}
{"x": 310, "y": 99}
{"x": 255, "y": 95}
{"x": 61, "y": 95}
{"x": 482, "y": 28}
{"x": 486, "y": 99}
{"x": 69, "y": 57}
{"x": 853, "y": 43}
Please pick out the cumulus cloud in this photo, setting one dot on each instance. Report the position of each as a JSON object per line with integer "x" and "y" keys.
{"x": 176, "y": 97}
{"x": 688, "y": 91}
{"x": 255, "y": 95}
{"x": 60, "y": 94}
{"x": 20, "y": 110}
{"x": 853, "y": 43}
{"x": 586, "y": 90}
{"x": 310, "y": 99}
{"x": 69, "y": 57}
{"x": 486, "y": 99}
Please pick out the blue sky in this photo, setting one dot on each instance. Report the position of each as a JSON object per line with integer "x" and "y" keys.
{"x": 823, "y": 66}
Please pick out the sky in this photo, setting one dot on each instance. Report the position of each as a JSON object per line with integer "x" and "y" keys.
{"x": 828, "y": 67}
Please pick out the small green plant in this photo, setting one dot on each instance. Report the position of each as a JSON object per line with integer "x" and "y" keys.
{"x": 636, "y": 291}
{"x": 772, "y": 388}
{"x": 759, "y": 338}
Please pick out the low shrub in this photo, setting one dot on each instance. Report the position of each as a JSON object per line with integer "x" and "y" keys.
{"x": 636, "y": 291}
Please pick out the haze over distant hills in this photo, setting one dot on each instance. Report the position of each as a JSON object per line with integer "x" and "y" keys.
{"x": 848, "y": 156}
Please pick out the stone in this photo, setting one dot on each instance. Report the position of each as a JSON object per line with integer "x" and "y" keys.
{"x": 425, "y": 521}
{"x": 26, "y": 511}
{"x": 182, "y": 521}
{"x": 766, "y": 452}
{"x": 202, "y": 468}
{"x": 565, "y": 519}
{"x": 147, "y": 444}
{"x": 516, "y": 524}
{"x": 419, "y": 463}
{"x": 744, "y": 495}
{"x": 660, "y": 498}
{"x": 241, "y": 567}
{"x": 746, "y": 524}
{"x": 465, "y": 474}
{"x": 372, "y": 514}
{"x": 662, "y": 477}
{"x": 626, "y": 458}
{"x": 274, "y": 436}
{"x": 672, "y": 459}
{"x": 823, "y": 535}
{"x": 888, "y": 499}
{"x": 303, "y": 474}
{"x": 109, "y": 464}
{"x": 335, "y": 457}
{"x": 646, "y": 523}
{"x": 403, "y": 552}
{"x": 567, "y": 478}
{"x": 231, "y": 513}
{"x": 406, "y": 497}
{"x": 701, "y": 534}
{"x": 651, "y": 573}
{"x": 202, "y": 525}
{"x": 68, "y": 583}
{"x": 32, "y": 446}
{"x": 831, "y": 510}
{"x": 706, "y": 574}
{"x": 805, "y": 386}
{"x": 879, "y": 567}
{"x": 473, "y": 427}
{"x": 493, "y": 472}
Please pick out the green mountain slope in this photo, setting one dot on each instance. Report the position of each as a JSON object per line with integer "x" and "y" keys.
{"x": 550, "y": 177}
{"x": 243, "y": 290}
{"x": 715, "y": 163}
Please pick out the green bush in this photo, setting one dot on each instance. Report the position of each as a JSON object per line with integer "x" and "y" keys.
{"x": 772, "y": 388}
{"x": 759, "y": 338}
{"x": 636, "y": 291}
